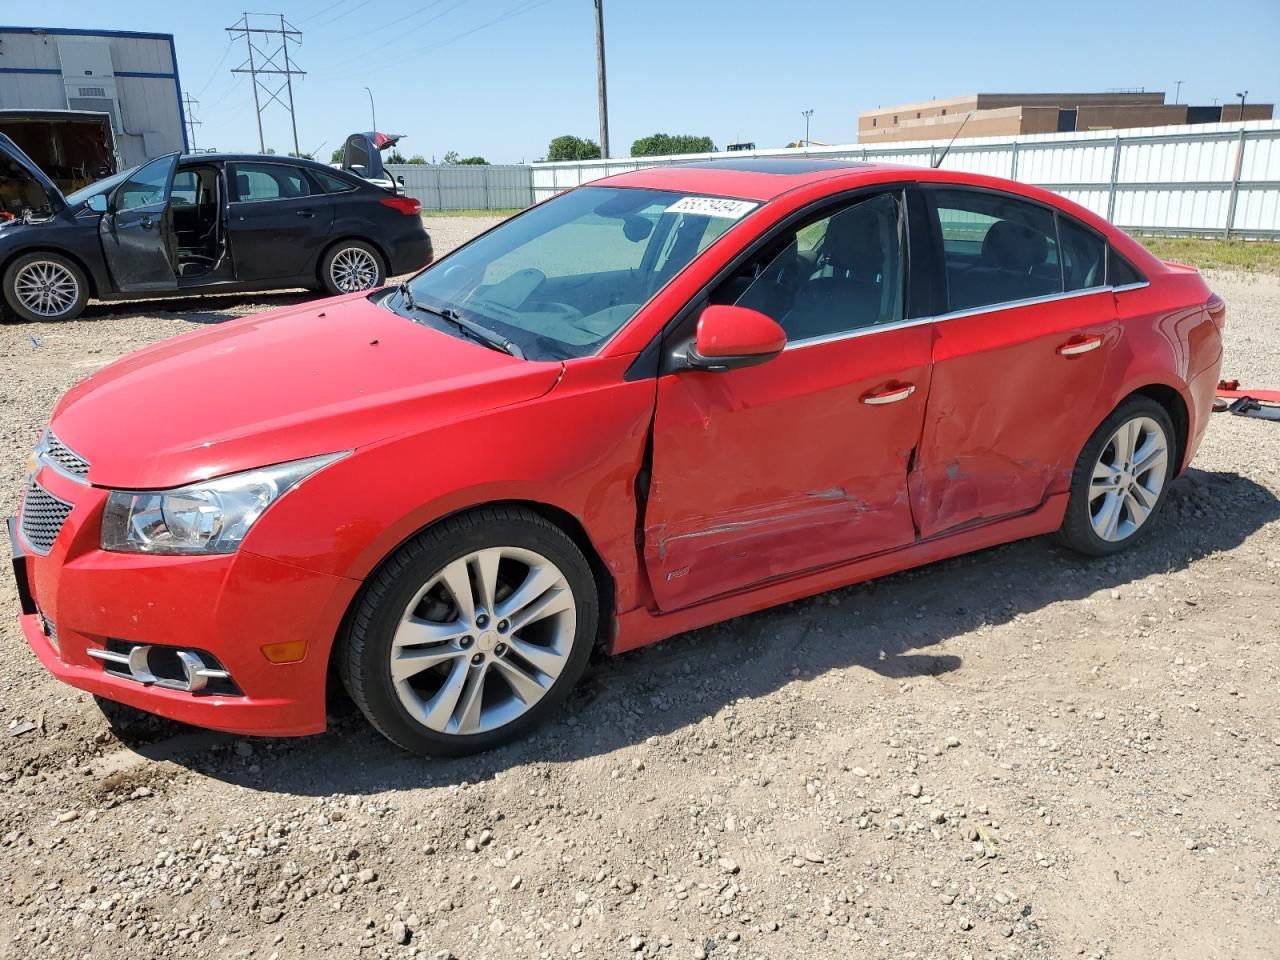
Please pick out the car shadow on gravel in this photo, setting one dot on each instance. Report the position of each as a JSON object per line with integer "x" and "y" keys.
{"x": 886, "y": 626}
{"x": 211, "y": 308}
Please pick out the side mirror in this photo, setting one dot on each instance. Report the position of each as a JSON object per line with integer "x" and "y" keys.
{"x": 732, "y": 337}
{"x": 98, "y": 203}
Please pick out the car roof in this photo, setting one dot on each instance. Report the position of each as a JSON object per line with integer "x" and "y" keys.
{"x": 259, "y": 158}
{"x": 748, "y": 178}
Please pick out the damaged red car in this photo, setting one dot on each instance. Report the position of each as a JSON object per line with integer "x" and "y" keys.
{"x": 659, "y": 401}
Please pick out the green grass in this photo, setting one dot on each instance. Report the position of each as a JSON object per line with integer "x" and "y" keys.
{"x": 471, "y": 213}
{"x": 1253, "y": 256}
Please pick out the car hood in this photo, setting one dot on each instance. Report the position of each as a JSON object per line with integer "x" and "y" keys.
{"x": 279, "y": 386}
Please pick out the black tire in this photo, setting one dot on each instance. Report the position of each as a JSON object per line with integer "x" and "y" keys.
{"x": 346, "y": 248}
{"x": 364, "y": 654}
{"x": 14, "y": 302}
{"x": 1077, "y": 530}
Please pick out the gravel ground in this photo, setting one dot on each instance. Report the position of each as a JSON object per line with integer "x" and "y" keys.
{"x": 1017, "y": 753}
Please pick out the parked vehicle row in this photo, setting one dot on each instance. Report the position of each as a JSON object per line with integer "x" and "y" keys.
{"x": 656, "y": 402}
{"x": 198, "y": 224}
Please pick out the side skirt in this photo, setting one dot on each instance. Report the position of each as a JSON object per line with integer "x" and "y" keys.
{"x": 637, "y": 628}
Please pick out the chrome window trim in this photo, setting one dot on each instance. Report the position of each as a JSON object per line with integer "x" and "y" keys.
{"x": 1124, "y": 287}
{"x": 958, "y": 314}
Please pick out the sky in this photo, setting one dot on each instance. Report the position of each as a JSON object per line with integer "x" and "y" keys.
{"x": 501, "y": 78}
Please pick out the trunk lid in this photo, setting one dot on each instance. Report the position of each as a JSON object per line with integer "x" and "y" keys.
{"x": 20, "y": 176}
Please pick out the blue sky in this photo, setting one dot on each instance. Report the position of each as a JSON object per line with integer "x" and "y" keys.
{"x": 500, "y": 78}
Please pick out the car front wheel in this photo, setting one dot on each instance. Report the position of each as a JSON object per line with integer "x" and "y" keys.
{"x": 472, "y": 633}
{"x": 1121, "y": 479}
{"x": 351, "y": 266}
{"x": 45, "y": 286}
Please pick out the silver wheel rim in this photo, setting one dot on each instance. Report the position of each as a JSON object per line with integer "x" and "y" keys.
{"x": 1127, "y": 479}
{"x": 46, "y": 288}
{"x": 483, "y": 640}
{"x": 353, "y": 269}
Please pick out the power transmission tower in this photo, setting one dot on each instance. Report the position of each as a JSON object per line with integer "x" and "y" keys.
{"x": 262, "y": 62}
{"x": 601, "y": 92}
{"x": 191, "y": 103}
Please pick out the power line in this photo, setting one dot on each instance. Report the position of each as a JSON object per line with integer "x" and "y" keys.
{"x": 322, "y": 11}
{"x": 262, "y": 62}
{"x": 408, "y": 16}
{"x": 223, "y": 59}
{"x": 190, "y": 114}
{"x": 345, "y": 13}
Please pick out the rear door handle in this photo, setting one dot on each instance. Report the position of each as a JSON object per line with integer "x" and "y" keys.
{"x": 306, "y": 213}
{"x": 1078, "y": 345}
{"x": 891, "y": 395}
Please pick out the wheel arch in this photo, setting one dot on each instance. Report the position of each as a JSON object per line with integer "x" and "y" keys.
{"x": 75, "y": 258}
{"x": 379, "y": 248}
{"x": 569, "y": 524}
{"x": 1174, "y": 404}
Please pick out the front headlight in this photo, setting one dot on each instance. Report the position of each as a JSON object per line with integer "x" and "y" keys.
{"x": 212, "y": 516}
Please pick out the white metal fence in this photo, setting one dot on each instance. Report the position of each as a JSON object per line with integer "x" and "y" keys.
{"x": 1209, "y": 179}
{"x": 466, "y": 187}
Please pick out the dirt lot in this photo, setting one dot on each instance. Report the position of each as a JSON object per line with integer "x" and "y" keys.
{"x": 1014, "y": 754}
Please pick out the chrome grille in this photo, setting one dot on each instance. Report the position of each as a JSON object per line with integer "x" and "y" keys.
{"x": 63, "y": 457}
{"x": 43, "y": 515}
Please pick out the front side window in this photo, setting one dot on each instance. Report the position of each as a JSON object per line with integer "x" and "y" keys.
{"x": 829, "y": 276}
{"x": 996, "y": 248}
{"x": 568, "y": 274}
{"x": 146, "y": 186}
{"x": 269, "y": 181}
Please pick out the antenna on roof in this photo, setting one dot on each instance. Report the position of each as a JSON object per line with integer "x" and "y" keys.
{"x": 937, "y": 163}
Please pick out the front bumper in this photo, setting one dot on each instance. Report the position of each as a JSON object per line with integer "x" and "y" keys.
{"x": 79, "y": 597}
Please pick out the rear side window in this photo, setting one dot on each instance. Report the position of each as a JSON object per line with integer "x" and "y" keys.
{"x": 1119, "y": 271}
{"x": 332, "y": 183}
{"x": 996, "y": 248}
{"x": 268, "y": 181}
{"x": 1084, "y": 256}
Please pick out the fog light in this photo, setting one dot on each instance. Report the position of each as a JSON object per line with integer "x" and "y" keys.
{"x": 173, "y": 668}
{"x": 290, "y": 652}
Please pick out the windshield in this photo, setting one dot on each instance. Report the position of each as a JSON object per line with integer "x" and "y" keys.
{"x": 562, "y": 278}
{"x": 99, "y": 186}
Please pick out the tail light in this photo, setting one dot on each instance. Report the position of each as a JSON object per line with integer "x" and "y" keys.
{"x": 406, "y": 205}
{"x": 1217, "y": 308}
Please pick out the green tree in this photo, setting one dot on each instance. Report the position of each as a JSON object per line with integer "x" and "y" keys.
{"x": 336, "y": 156}
{"x": 474, "y": 161}
{"x": 664, "y": 145}
{"x": 573, "y": 148}
{"x": 395, "y": 156}
{"x": 300, "y": 155}
{"x": 450, "y": 157}
{"x": 417, "y": 158}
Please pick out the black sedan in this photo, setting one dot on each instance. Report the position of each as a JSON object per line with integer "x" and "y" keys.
{"x": 203, "y": 223}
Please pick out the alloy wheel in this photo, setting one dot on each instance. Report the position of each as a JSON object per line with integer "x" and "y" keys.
{"x": 1128, "y": 478}
{"x": 353, "y": 269}
{"x": 46, "y": 288}
{"x": 483, "y": 640}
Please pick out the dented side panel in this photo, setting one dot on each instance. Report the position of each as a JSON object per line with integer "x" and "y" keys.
{"x": 767, "y": 471}
{"x": 1007, "y": 412}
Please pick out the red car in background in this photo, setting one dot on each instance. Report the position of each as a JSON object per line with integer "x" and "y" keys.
{"x": 656, "y": 402}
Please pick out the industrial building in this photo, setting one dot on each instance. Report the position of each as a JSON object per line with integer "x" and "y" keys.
{"x": 132, "y": 77}
{"x": 1007, "y": 114}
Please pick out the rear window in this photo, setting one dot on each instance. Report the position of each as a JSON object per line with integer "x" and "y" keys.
{"x": 269, "y": 181}
{"x": 1119, "y": 271}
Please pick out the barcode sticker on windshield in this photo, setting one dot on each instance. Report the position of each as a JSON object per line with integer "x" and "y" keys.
{"x": 713, "y": 207}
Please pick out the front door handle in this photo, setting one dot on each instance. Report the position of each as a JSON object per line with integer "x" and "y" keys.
{"x": 1078, "y": 345}
{"x": 306, "y": 213}
{"x": 146, "y": 223}
{"x": 891, "y": 395}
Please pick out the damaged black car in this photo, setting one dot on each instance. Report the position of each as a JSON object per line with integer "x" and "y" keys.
{"x": 198, "y": 224}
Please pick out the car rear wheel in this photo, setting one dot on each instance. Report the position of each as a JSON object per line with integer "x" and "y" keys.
{"x": 45, "y": 286}
{"x": 1121, "y": 479}
{"x": 351, "y": 266}
{"x": 472, "y": 633}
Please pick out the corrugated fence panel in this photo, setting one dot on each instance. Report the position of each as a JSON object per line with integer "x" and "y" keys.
{"x": 1181, "y": 179}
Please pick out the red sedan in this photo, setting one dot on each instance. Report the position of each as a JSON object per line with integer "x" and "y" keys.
{"x": 656, "y": 402}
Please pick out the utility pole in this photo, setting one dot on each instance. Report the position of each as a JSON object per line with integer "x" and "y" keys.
{"x": 1177, "y": 93}
{"x": 190, "y": 104}
{"x": 262, "y": 62}
{"x": 602, "y": 93}
{"x": 372, "y": 109}
{"x": 806, "y": 114}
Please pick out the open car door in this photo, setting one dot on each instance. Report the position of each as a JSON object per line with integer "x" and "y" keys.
{"x": 136, "y": 232}
{"x": 362, "y": 155}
